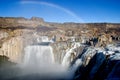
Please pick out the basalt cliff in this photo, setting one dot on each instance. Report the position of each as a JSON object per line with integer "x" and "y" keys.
{"x": 17, "y": 32}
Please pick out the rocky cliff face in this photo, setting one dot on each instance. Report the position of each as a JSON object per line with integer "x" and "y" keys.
{"x": 13, "y": 48}
{"x": 75, "y": 44}
{"x": 15, "y": 33}
{"x": 21, "y": 22}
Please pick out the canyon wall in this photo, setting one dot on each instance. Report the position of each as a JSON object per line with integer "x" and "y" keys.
{"x": 16, "y": 33}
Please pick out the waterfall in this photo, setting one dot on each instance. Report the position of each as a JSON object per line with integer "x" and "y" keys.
{"x": 39, "y": 60}
{"x": 70, "y": 54}
{"x": 40, "y": 54}
{"x": 40, "y": 63}
{"x": 37, "y": 55}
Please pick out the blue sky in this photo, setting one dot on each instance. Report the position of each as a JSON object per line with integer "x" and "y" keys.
{"x": 63, "y": 10}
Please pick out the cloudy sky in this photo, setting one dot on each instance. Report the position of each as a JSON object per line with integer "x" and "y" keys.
{"x": 63, "y": 10}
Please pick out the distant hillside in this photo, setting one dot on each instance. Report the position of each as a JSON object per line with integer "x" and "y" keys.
{"x": 6, "y": 22}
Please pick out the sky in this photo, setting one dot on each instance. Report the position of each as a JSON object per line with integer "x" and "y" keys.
{"x": 79, "y": 11}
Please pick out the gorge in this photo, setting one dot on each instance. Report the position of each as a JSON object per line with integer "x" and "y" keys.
{"x": 33, "y": 49}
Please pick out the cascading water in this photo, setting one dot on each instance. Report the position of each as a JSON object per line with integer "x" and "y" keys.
{"x": 67, "y": 58}
{"x": 37, "y": 55}
{"x": 39, "y": 63}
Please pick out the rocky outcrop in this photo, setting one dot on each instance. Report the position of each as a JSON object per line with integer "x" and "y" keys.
{"x": 13, "y": 49}
{"x": 99, "y": 63}
{"x": 104, "y": 40}
{"x": 71, "y": 42}
{"x": 59, "y": 50}
{"x": 9, "y": 22}
{"x": 69, "y": 51}
{"x": 22, "y": 32}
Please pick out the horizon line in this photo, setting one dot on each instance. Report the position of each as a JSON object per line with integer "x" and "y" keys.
{"x": 87, "y": 22}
